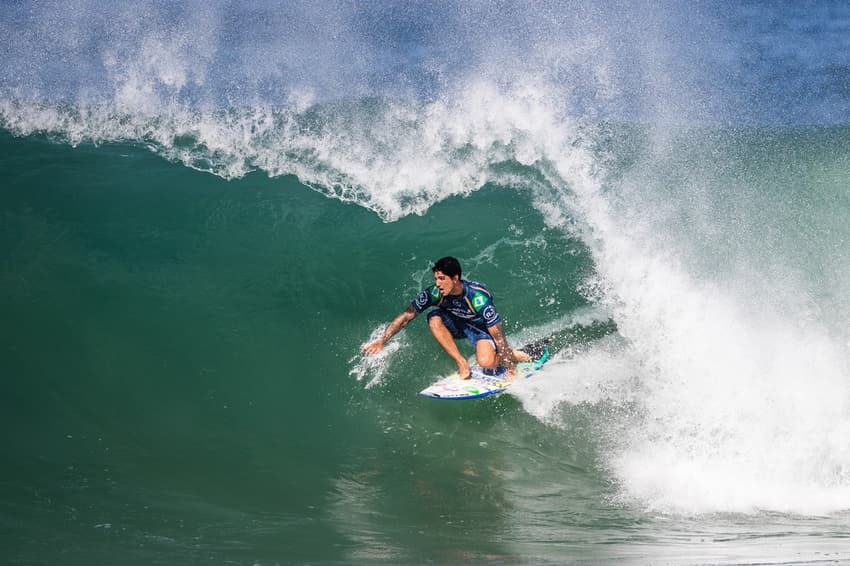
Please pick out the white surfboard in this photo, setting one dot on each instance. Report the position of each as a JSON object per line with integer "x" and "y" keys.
{"x": 481, "y": 383}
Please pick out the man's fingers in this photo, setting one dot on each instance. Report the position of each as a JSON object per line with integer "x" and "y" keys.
{"x": 371, "y": 348}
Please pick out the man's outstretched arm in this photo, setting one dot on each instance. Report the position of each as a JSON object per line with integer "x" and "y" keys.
{"x": 392, "y": 329}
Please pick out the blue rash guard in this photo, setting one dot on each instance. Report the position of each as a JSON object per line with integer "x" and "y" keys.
{"x": 469, "y": 314}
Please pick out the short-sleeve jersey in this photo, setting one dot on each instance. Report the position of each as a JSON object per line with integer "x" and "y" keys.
{"x": 473, "y": 306}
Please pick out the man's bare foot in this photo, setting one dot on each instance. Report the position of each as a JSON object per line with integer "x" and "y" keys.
{"x": 520, "y": 356}
{"x": 463, "y": 370}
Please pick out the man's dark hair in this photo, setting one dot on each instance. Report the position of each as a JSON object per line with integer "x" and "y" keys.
{"x": 448, "y": 265}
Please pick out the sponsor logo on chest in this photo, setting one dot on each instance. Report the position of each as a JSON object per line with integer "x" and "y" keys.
{"x": 458, "y": 307}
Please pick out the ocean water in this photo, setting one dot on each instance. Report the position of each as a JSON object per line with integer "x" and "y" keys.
{"x": 206, "y": 208}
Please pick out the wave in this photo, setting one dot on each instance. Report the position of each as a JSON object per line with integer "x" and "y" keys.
{"x": 730, "y": 350}
{"x": 742, "y": 392}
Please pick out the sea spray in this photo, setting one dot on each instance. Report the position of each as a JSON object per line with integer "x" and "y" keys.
{"x": 374, "y": 368}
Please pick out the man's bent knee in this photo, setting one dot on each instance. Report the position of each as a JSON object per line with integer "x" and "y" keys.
{"x": 486, "y": 356}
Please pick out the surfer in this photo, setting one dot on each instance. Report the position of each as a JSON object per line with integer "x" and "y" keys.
{"x": 464, "y": 310}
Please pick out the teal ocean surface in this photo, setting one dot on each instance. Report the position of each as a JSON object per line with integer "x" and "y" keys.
{"x": 205, "y": 210}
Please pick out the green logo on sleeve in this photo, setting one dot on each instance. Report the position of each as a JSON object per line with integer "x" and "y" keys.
{"x": 478, "y": 301}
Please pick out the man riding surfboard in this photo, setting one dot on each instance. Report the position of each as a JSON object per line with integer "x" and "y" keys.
{"x": 464, "y": 309}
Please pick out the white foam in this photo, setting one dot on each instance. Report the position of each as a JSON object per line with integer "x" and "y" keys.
{"x": 603, "y": 373}
{"x": 741, "y": 394}
{"x": 374, "y": 368}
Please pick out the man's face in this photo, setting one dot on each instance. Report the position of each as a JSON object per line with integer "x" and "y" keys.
{"x": 445, "y": 283}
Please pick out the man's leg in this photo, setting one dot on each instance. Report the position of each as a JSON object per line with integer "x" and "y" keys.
{"x": 485, "y": 349}
{"x": 446, "y": 340}
{"x": 520, "y": 356}
{"x": 485, "y": 353}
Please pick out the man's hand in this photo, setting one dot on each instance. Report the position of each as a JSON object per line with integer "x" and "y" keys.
{"x": 399, "y": 322}
{"x": 373, "y": 347}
